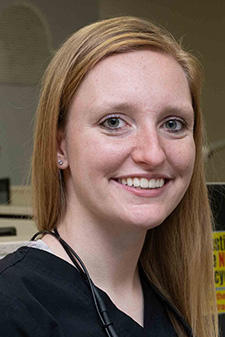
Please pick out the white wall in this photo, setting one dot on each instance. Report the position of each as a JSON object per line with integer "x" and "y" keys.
{"x": 201, "y": 23}
{"x": 18, "y": 100}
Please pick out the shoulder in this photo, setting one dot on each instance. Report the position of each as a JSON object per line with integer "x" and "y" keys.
{"x": 12, "y": 258}
{"x": 13, "y": 272}
{"x": 15, "y": 319}
{"x": 12, "y": 265}
{"x": 24, "y": 286}
{"x": 15, "y": 266}
{"x": 27, "y": 268}
{"x": 41, "y": 289}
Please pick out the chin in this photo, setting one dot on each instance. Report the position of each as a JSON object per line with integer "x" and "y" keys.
{"x": 144, "y": 222}
{"x": 149, "y": 216}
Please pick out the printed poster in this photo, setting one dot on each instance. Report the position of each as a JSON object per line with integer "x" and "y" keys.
{"x": 219, "y": 269}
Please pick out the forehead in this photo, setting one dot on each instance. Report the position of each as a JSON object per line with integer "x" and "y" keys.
{"x": 137, "y": 78}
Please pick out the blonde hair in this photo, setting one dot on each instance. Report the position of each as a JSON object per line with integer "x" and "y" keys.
{"x": 177, "y": 255}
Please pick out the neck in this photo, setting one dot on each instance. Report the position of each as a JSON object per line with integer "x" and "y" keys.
{"x": 110, "y": 254}
{"x": 109, "y": 251}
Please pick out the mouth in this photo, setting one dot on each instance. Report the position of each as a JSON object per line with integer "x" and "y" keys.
{"x": 142, "y": 183}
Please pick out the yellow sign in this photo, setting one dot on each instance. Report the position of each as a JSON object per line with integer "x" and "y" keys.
{"x": 219, "y": 269}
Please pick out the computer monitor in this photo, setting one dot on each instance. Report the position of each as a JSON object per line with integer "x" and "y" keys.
{"x": 4, "y": 191}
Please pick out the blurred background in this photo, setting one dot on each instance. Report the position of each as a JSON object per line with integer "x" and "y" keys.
{"x": 31, "y": 31}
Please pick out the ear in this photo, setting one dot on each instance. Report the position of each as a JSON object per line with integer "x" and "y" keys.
{"x": 62, "y": 158}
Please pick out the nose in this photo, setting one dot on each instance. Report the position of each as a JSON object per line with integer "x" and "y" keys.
{"x": 149, "y": 148}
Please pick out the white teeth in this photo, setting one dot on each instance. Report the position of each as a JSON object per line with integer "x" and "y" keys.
{"x": 152, "y": 183}
{"x": 136, "y": 182}
{"x": 129, "y": 181}
{"x": 160, "y": 182}
{"x": 143, "y": 182}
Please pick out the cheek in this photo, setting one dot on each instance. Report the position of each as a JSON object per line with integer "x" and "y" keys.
{"x": 182, "y": 157}
{"x": 108, "y": 157}
{"x": 94, "y": 153}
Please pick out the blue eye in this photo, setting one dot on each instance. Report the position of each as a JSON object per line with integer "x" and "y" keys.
{"x": 113, "y": 123}
{"x": 174, "y": 125}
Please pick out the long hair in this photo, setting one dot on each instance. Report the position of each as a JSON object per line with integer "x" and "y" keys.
{"x": 177, "y": 255}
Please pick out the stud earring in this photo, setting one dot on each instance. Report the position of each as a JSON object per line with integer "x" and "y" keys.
{"x": 60, "y": 162}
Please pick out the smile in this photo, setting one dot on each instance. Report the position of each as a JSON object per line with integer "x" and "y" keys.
{"x": 142, "y": 183}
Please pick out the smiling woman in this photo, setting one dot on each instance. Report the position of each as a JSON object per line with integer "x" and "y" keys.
{"x": 132, "y": 143}
{"x": 118, "y": 178}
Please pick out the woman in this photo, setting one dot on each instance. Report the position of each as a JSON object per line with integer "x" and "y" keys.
{"x": 118, "y": 178}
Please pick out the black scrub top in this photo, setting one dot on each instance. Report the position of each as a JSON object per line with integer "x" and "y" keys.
{"x": 42, "y": 295}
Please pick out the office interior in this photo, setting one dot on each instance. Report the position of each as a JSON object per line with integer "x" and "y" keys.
{"x": 31, "y": 31}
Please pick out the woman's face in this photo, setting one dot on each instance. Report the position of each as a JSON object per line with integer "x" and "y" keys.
{"x": 128, "y": 146}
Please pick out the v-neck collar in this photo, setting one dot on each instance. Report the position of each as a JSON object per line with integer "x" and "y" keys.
{"x": 156, "y": 320}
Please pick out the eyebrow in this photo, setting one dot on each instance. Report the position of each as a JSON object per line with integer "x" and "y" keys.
{"x": 117, "y": 106}
{"x": 124, "y": 106}
{"x": 186, "y": 109}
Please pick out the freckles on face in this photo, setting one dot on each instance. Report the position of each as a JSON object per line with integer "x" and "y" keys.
{"x": 182, "y": 155}
{"x": 131, "y": 118}
{"x": 90, "y": 150}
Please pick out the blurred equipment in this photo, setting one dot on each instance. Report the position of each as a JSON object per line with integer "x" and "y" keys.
{"x": 4, "y": 191}
{"x": 7, "y": 231}
{"x": 214, "y": 147}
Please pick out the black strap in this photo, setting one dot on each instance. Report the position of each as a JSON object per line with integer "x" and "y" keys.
{"x": 99, "y": 304}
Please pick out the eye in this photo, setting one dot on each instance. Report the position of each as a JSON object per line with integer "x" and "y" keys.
{"x": 174, "y": 125}
{"x": 113, "y": 123}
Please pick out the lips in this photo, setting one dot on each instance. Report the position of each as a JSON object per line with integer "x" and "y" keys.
{"x": 143, "y": 183}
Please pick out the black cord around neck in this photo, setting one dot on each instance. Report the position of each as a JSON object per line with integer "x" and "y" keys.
{"x": 98, "y": 302}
